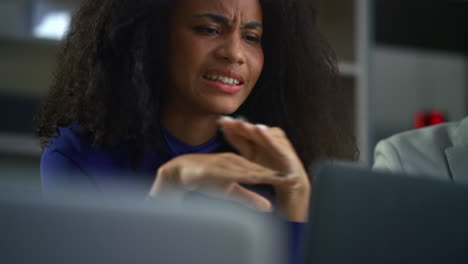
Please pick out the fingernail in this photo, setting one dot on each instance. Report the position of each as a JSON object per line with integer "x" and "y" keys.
{"x": 227, "y": 118}
{"x": 242, "y": 118}
{"x": 262, "y": 127}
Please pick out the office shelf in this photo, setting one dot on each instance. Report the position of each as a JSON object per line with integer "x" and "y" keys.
{"x": 23, "y": 145}
{"x": 347, "y": 26}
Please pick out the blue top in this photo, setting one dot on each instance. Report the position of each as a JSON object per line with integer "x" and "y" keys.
{"x": 104, "y": 169}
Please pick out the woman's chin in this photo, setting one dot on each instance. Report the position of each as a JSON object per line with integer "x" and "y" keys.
{"x": 225, "y": 109}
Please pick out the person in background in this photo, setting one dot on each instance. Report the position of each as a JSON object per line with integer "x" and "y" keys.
{"x": 439, "y": 151}
{"x": 142, "y": 89}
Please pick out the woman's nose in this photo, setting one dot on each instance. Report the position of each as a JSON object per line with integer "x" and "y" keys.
{"x": 231, "y": 50}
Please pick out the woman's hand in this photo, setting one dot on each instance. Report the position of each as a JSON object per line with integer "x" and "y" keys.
{"x": 270, "y": 147}
{"x": 216, "y": 174}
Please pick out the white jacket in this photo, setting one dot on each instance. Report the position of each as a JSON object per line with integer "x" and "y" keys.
{"x": 438, "y": 151}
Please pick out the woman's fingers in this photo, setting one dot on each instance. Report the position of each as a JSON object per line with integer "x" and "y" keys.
{"x": 238, "y": 193}
{"x": 235, "y": 192}
{"x": 219, "y": 174}
{"x": 240, "y": 128}
{"x": 239, "y": 169}
{"x": 260, "y": 135}
{"x": 268, "y": 145}
{"x": 235, "y": 162}
{"x": 199, "y": 170}
{"x": 275, "y": 140}
{"x": 242, "y": 144}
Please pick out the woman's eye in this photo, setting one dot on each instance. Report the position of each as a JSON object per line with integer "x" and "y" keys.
{"x": 207, "y": 30}
{"x": 253, "y": 38}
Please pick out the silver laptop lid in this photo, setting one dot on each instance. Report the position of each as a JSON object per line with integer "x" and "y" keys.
{"x": 88, "y": 229}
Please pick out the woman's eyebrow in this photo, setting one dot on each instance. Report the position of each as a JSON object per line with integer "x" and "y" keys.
{"x": 224, "y": 20}
{"x": 252, "y": 25}
{"x": 216, "y": 18}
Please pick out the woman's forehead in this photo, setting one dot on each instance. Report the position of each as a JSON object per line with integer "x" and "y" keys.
{"x": 245, "y": 10}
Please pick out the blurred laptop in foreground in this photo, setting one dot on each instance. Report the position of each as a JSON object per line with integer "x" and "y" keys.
{"x": 360, "y": 216}
{"x": 124, "y": 229}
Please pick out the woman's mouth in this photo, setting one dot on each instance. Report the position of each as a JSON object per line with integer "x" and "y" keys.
{"x": 222, "y": 79}
{"x": 223, "y": 83}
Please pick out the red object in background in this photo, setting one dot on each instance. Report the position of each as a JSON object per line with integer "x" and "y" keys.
{"x": 436, "y": 117}
{"x": 419, "y": 120}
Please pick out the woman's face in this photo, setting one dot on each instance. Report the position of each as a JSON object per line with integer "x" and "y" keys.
{"x": 215, "y": 54}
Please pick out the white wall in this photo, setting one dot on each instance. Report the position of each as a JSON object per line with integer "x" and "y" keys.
{"x": 407, "y": 80}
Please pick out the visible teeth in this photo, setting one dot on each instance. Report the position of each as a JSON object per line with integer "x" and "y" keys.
{"x": 223, "y": 79}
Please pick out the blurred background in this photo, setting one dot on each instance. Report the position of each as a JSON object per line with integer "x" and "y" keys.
{"x": 396, "y": 58}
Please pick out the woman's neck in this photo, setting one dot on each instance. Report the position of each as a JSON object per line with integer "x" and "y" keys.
{"x": 191, "y": 128}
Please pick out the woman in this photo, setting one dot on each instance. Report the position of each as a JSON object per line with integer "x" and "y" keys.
{"x": 141, "y": 85}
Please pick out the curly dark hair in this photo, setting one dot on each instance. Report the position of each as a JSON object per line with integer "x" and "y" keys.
{"x": 111, "y": 75}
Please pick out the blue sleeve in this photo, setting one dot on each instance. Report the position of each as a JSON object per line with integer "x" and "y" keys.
{"x": 296, "y": 241}
{"x": 59, "y": 173}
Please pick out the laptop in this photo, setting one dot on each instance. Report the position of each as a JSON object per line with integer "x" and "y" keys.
{"x": 87, "y": 229}
{"x": 361, "y": 216}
